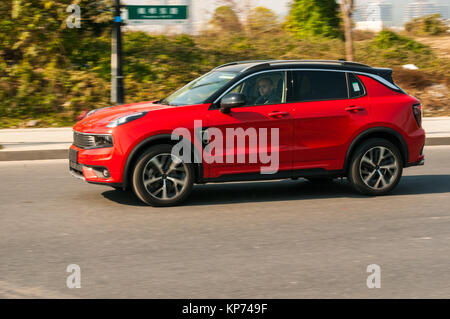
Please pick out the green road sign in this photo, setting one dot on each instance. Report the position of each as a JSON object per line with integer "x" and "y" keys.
{"x": 157, "y": 12}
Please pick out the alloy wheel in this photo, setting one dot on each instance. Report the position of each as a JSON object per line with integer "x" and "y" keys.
{"x": 379, "y": 168}
{"x": 165, "y": 176}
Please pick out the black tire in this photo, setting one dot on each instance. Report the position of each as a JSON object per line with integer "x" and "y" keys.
{"x": 375, "y": 180}
{"x": 159, "y": 152}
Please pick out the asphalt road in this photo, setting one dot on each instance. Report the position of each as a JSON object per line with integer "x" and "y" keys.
{"x": 282, "y": 239}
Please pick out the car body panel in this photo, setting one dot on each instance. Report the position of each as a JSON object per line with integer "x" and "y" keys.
{"x": 249, "y": 117}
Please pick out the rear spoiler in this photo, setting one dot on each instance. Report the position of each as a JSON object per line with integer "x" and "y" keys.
{"x": 385, "y": 73}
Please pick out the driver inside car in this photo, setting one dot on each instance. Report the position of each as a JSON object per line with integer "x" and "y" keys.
{"x": 266, "y": 90}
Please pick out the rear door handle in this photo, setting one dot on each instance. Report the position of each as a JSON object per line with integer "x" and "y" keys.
{"x": 355, "y": 109}
{"x": 278, "y": 114}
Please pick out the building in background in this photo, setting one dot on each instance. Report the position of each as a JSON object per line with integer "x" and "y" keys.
{"x": 422, "y": 8}
{"x": 374, "y": 15}
{"x": 443, "y": 11}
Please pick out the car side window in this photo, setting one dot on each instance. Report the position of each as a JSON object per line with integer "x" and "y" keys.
{"x": 238, "y": 88}
{"x": 263, "y": 88}
{"x": 317, "y": 86}
{"x": 356, "y": 87}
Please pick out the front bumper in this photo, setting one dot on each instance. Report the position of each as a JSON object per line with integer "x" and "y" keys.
{"x": 96, "y": 166}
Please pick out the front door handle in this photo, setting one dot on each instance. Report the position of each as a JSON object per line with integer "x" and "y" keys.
{"x": 355, "y": 109}
{"x": 278, "y": 114}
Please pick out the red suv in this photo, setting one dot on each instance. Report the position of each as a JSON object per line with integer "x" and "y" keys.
{"x": 317, "y": 119}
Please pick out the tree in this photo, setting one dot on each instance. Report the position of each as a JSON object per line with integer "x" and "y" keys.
{"x": 347, "y": 8}
{"x": 225, "y": 19}
{"x": 262, "y": 20}
{"x": 314, "y": 18}
{"x": 39, "y": 54}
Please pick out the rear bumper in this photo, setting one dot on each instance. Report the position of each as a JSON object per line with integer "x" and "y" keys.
{"x": 418, "y": 163}
{"x": 416, "y": 145}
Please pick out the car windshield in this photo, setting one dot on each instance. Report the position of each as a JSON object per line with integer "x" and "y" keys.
{"x": 200, "y": 89}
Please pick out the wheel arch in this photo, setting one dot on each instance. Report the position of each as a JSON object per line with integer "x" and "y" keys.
{"x": 142, "y": 146}
{"x": 381, "y": 132}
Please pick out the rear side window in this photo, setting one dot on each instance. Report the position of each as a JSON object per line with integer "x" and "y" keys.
{"x": 355, "y": 86}
{"x": 318, "y": 86}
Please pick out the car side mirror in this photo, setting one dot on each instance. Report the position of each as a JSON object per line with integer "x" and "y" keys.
{"x": 231, "y": 100}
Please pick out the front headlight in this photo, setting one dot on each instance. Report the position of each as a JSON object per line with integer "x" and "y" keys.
{"x": 125, "y": 119}
{"x": 103, "y": 140}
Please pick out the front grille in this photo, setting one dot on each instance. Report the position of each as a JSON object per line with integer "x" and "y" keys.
{"x": 83, "y": 140}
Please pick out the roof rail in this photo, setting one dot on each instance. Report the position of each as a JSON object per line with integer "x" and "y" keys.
{"x": 260, "y": 63}
{"x": 341, "y": 62}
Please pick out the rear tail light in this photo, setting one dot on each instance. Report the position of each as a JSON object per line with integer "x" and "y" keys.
{"x": 417, "y": 111}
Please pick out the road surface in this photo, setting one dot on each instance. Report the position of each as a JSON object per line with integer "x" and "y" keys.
{"x": 277, "y": 239}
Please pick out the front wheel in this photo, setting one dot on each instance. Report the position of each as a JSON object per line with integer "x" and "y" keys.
{"x": 376, "y": 167}
{"x": 161, "y": 178}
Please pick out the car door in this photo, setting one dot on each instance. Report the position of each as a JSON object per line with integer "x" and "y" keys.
{"x": 270, "y": 124}
{"x": 328, "y": 108}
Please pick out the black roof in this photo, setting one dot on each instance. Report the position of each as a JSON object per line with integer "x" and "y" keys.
{"x": 258, "y": 65}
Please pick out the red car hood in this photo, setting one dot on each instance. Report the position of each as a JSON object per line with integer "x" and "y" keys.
{"x": 98, "y": 120}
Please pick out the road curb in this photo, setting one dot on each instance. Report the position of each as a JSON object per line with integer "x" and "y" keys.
{"x": 33, "y": 155}
{"x": 64, "y": 153}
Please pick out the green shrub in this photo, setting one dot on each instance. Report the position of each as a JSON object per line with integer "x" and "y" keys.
{"x": 389, "y": 48}
{"x": 427, "y": 25}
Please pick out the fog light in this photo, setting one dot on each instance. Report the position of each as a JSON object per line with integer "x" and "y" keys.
{"x": 106, "y": 173}
{"x": 101, "y": 172}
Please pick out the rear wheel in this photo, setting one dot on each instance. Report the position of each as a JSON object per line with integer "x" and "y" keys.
{"x": 162, "y": 179}
{"x": 376, "y": 167}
